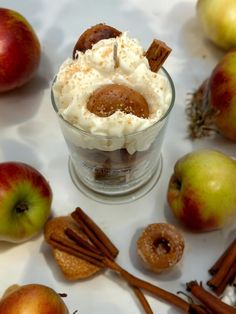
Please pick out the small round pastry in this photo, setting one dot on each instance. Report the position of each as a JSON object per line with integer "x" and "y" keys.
{"x": 112, "y": 97}
{"x": 160, "y": 246}
{"x": 94, "y": 34}
{"x": 72, "y": 267}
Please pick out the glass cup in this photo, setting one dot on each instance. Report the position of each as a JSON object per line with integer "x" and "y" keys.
{"x": 105, "y": 173}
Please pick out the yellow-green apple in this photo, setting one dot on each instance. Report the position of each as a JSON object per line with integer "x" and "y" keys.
{"x": 32, "y": 299}
{"x": 218, "y": 21}
{"x": 25, "y": 201}
{"x": 202, "y": 190}
{"x": 19, "y": 50}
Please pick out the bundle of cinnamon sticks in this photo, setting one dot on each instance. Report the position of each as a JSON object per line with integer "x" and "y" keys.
{"x": 211, "y": 303}
{"x": 224, "y": 270}
{"x": 223, "y": 273}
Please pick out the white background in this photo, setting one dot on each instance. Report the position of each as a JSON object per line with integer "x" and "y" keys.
{"x": 29, "y": 132}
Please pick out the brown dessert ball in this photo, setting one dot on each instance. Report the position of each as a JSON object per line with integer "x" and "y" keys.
{"x": 160, "y": 246}
{"x": 94, "y": 34}
{"x": 112, "y": 97}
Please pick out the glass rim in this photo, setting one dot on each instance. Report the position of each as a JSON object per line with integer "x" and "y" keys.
{"x": 116, "y": 136}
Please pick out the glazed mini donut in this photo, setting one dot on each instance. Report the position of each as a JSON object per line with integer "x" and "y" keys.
{"x": 94, "y": 34}
{"x": 112, "y": 97}
{"x": 160, "y": 246}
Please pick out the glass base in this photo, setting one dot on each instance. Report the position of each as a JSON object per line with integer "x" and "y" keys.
{"x": 115, "y": 199}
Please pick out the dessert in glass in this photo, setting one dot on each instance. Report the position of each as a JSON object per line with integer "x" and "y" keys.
{"x": 113, "y": 111}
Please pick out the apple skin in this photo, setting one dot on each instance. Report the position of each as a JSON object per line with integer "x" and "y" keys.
{"x": 222, "y": 95}
{"x": 25, "y": 198}
{"x": 32, "y": 299}
{"x": 202, "y": 191}
{"x": 19, "y": 50}
{"x": 218, "y": 21}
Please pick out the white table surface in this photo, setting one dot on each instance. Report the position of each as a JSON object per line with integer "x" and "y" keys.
{"x": 29, "y": 132}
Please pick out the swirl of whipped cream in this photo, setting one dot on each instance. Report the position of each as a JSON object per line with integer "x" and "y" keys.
{"x": 78, "y": 78}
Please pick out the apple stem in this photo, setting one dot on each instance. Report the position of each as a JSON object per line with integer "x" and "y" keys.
{"x": 21, "y": 207}
{"x": 177, "y": 183}
{"x": 62, "y": 295}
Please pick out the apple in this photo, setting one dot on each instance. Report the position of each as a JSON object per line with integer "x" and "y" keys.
{"x": 19, "y": 50}
{"x": 222, "y": 95}
{"x": 25, "y": 198}
{"x": 212, "y": 108}
{"x": 32, "y": 299}
{"x": 218, "y": 21}
{"x": 201, "y": 191}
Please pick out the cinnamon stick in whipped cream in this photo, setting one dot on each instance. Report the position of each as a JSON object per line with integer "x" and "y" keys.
{"x": 156, "y": 54}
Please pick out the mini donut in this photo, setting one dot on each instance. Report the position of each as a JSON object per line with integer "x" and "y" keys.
{"x": 72, "y": 267}
{"x": 94, "y": 34}
{"x": 112, "y": 97}
{"x": 160, "y": 246}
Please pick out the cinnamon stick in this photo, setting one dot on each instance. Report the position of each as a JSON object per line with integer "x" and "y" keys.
{"x": 142, "y": 300}
{"x": 156, "y": 54}
{"x": 228, "y": 279}
{"x": 234, "y": 281}
{"x": 156, "y": 291}
{"x": 79, "y": 240}
{"x": 100, "y": 239}
{"x": 209, "y": 300}
{"x": 217, "y": 265}
{"x": 64, "y": 246}
{"x": 226, "y": 265}
{"x": 198, "y": 309}
{"x": 94, "y": 233}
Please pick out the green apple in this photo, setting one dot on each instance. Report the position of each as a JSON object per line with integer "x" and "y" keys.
{"x": 32, "y": 299}
{"x": 25, "y": 201}
{"x": 202, "y": 190}
{"x": 218, "y": 21}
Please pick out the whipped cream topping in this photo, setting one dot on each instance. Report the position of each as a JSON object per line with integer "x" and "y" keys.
{"x": 77, "y": 79}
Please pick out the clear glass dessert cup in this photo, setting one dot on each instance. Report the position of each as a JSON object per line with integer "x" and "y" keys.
{"x": 105, "y": 174}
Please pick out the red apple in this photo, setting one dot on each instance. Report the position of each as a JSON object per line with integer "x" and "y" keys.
{"x": 201, "y": 191}
{"x": 222, "y": 95}
{"x": 213, "y": 106}
{"x": 25, "y": 198}
{"x": 32, "y": 299}
{"x": 19, "y": 50}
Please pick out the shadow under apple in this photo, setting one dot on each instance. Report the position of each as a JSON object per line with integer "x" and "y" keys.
{"x": 7, "y": 246}
{"x": 13, "y": 150}
{"x": 21, "y": 104}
